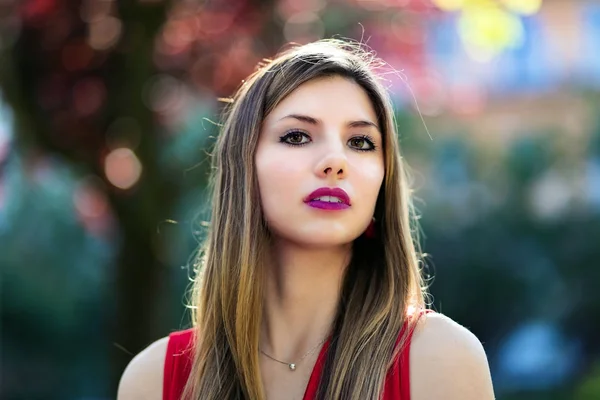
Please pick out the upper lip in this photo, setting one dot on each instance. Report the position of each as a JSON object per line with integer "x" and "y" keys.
{"x": 325, "y": 191}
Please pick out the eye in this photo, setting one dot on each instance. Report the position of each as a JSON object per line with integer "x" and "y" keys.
{"x": 362, "y": 143}
{"x": 295, "y": 138}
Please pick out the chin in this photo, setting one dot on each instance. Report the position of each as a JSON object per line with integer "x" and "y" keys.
{"x": 320, "y": 239}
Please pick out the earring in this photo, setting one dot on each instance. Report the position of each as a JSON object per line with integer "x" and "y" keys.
{"x": 370, "y": 232}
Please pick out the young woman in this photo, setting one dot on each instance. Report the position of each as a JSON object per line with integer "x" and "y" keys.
{"x": 310, "y": 286}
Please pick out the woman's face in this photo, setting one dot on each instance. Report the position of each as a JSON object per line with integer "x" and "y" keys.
{"x": 323, "y": 135}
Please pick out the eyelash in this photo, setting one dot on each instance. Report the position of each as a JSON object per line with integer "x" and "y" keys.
{"x": 283, "y": 138}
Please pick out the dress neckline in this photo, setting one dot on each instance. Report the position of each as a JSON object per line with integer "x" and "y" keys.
{"x": 315, "y": 376}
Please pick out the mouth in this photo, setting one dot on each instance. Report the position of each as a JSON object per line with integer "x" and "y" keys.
{"x": 328, "y": 199}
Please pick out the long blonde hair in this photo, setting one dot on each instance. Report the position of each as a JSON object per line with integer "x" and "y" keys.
{"x": 381, "y": 282}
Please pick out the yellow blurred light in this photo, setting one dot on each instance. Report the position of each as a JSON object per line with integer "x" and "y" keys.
{"x": 524, "y": 7}
{"x": 480, "y": 3}
{"x": 489, "y": 30}
{"x": 122, "y": 168}
{"x": 449, "y": 5}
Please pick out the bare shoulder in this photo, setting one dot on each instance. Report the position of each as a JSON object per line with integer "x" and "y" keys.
{"x": 448, "y": 355}
{"x": 143, "y": 377}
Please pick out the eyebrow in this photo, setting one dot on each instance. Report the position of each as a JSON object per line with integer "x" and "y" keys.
{"x": 314, "y": 121}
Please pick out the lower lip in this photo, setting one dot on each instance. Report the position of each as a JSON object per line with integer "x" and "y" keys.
{"x": 324, "y": 205}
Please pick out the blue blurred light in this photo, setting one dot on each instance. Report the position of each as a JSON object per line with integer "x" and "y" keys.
{"x": 591, "y": 48}
{"x": 536, "y": 356}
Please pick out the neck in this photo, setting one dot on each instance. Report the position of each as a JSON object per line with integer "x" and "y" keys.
{"x": 301, "y": 297}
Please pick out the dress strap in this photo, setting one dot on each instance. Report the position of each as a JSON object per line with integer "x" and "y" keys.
{"x": 397, "y": 383}
{"x": 405, "y": 361}
{"x": 178, "y": 363}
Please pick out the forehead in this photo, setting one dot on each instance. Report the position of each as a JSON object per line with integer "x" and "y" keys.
{"x": 328, "y": 99}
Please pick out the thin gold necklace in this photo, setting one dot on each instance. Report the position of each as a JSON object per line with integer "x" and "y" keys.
{"x": 292, "y": 366}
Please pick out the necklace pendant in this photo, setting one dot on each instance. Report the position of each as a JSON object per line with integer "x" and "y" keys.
{"x": 292, "y": 366}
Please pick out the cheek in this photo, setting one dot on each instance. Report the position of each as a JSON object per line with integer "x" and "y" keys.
{"x": 368, "y": 176}
{"x": 278, "y": 178}
{"x": 372, "y": 171}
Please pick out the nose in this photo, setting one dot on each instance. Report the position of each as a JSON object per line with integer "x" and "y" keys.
{"x": 334, "y": 164}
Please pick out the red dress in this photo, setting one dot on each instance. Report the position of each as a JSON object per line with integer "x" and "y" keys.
{"x": 178, "y": 365}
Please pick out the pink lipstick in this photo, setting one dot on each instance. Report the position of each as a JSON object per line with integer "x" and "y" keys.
{"x": 328, "y": 199}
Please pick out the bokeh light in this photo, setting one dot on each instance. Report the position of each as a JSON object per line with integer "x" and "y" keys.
{"x": 467, "y": 100}
{"x": 104, "y": 33}
{"x": 431, "y": 94}
{"x": 94, "y": 10}
{"x": 92, "y": 207}
{"x": 164, "y": 94}
{"x": 449, "y": 5}
{"x": 213, "y": 23}
{"x": 487, "y": 31}
{"x": 122, "y": 168}
{"x": 35, "y": 11}
{"x": 89, "y": 95}
{"x": 287, "y": 8}
{"x": 178, "y": 35}
{"x": 77, "y": 55}
{"x": 304, "y": 27}
{"x": 373, "y": 5}
{"x": 490, "y": 27}
{"x": 524, "y": 7}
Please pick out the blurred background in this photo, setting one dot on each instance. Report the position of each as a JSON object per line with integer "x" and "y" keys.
{"x": 108, "y": 112}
